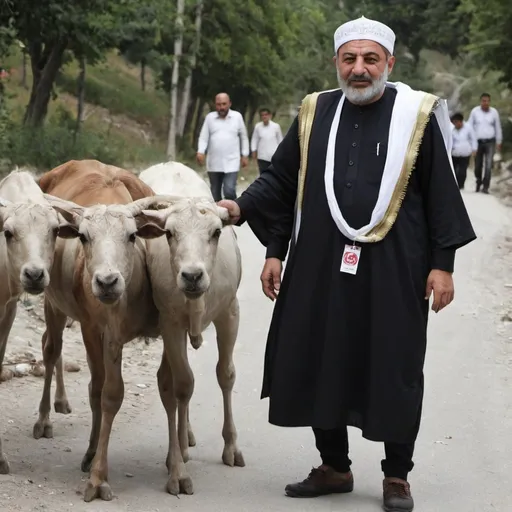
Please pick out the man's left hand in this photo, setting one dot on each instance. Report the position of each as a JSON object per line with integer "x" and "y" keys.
{"x": 441, "y": 283}
{"x": 245, "y": 161}
{"x": 498, "y": 147}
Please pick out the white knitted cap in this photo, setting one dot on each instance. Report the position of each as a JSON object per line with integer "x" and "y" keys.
{"x": 364, "y": 28}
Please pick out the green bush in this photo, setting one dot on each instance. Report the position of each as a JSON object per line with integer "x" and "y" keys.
{"x": 48, "y": 147}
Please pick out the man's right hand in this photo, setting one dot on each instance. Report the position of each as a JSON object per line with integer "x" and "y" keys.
{"x": 232, "y": 208}
{"x": 271, "y": 277}
{"x": 200, "y": 158}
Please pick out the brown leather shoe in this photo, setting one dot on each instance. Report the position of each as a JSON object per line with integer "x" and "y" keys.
{"x": 397, "y": 495}
{"x": 321, "y": 481}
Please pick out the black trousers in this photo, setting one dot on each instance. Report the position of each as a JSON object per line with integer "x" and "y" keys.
{"x": 262, "y": 165}
{"x": 223, "y": 182}
{"x": 333, "y": 448}
{"x": 484, "y": 160}
{"x": 460, "y": 165}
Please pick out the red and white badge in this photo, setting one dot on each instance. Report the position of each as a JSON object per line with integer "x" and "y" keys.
{"x": 350, "y": 259}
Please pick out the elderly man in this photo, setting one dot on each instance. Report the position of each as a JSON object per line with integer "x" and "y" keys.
{"x": 363, "y": 186}
{"x": 224, "y": 136}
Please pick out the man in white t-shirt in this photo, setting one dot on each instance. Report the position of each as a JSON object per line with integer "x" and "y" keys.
{"x": 224, "y": 138}
{"x": 485, "y": 122}
{"x": 267, "y": 135}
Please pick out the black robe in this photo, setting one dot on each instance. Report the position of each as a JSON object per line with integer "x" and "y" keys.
{"x": 349, "y": 349}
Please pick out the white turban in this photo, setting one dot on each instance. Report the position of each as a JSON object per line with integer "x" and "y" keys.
{"x": 364, "y": 28}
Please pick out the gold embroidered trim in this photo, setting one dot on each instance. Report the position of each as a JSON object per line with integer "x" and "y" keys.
{"x": 306, "y": 117}
{"x": 428, "y": 104}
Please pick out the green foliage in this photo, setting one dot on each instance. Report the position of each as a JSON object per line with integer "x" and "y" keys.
{"x": 52, "y": 145}
{"x": 141, "y": 34}
{"x": 490, "y": 31}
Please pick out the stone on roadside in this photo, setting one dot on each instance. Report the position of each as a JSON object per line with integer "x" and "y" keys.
{"x": 38, "y": 370}
{"x": 22, "y": 370}
{"x": 71, "y": 367}
{"x": 6, "y": 374}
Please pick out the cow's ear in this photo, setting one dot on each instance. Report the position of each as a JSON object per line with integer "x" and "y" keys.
{"x": 157, "y": 217}
{"x": 224, "y": 215}
{"x": 67, "y": 230}
{"x": 150, "y": 224}
{"x": 150, "y": 230}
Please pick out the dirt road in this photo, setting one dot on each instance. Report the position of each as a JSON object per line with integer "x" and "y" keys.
{"x": 463, "y": 461}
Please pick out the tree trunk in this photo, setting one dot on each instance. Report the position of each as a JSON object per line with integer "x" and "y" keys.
{"x": 185, "y": 104}
{"x": 24, "y": 70}
{"x": 45, "y": 66}
{"x": 80, "y": 95}
{"x": 253, "y": 109}
{"x": 143, "y": 73}
{"x": 188, "y": 132}
{"x": 178, "y": 50}
{"x": 198, "y": 121}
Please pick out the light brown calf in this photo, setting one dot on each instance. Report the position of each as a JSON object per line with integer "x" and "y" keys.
{"x": 99, "y": 278}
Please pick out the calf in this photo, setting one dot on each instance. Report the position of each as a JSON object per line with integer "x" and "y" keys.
{"x": 195, "y": 283}
{"x": 28, "y": 231}
{"x": 99, "y": 278}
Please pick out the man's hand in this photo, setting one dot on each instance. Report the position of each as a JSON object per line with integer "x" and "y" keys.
{"x": 254, "y": 155}
{"x": 245, "y": 161}
{"x": 271, "y": 277}
{"x": 441, "y": 283}
{"x": 200, "y": 158}
{"x": 498, "y": 147}
{"x": 232, "y": 208}
{"x": 473, "y": 154}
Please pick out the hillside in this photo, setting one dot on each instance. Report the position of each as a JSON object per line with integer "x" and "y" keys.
{"x": 117, "y": 112}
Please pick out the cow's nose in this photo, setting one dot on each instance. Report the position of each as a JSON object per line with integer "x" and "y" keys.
{"x": 107, "y": 280}
{"x": 192, "y": 277}
{"x": 34, "y": 274}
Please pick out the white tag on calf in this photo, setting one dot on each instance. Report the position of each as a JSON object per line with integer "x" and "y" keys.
{"x": 350, "y": 259}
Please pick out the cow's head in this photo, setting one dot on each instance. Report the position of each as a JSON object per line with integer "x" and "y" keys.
{"x": 30, "y": 231}
{"x": 193, "y": 227}
{"x": 108, "y": 234}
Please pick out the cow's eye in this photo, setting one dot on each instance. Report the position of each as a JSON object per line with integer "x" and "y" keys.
{"x": 7, "y": 234}
{"x": 133, "y": 237}
{"x": 217, "y": 233}
{"x": 82, "y": 238}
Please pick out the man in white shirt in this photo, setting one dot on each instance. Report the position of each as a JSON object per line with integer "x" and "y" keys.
{"x": 267, "y": 135}
{"x": 224, "y": 138}
{"x": 464, "y": 144}
{"x": 486, "y": 124}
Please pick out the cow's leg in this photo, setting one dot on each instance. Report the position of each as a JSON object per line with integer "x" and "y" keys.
{"x": 175, "y": 343}
{"x": 178, "y": 481}
{"x": 4, "y": 463}
{"x": 52, "y": 349}
{"x": 7, "y": 316}
{"x": 191, "y": 436}
{"x": 94, "y": 348}
{"x": 111, "y": 400}
{"x": 226, "y": 326}
{"x": 61, "y": 402}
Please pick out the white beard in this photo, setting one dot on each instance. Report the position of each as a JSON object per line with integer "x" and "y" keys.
{"x": 363, "y": 96}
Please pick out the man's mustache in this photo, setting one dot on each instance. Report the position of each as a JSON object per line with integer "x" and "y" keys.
{"x": 359, "y": 78}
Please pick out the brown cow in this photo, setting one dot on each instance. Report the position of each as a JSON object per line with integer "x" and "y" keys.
{"x": 99, "y": 278}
